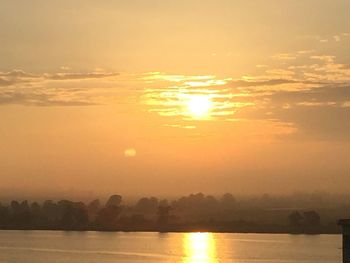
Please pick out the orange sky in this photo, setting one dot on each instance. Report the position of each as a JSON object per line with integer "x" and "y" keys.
{"x": 173, "y": 97}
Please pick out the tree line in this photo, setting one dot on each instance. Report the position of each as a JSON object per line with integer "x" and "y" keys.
{"x": 195, "y": 212}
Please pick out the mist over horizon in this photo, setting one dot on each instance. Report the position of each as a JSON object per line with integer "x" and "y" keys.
{"x": 124, "y": 97}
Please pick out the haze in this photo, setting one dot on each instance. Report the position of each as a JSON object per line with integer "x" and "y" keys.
{"x": 174, "y": 97}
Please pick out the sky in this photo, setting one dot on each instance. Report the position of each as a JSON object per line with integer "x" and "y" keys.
{"x": 173, "y": 97}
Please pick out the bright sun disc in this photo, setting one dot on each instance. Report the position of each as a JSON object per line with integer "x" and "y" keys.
{"x": 199, "y": 106}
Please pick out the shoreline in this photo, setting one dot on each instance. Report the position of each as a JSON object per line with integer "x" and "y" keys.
{"x": 164, "y": 231}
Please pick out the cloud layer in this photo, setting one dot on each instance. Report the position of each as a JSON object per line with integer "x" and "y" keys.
{"x": 310, "y": 93}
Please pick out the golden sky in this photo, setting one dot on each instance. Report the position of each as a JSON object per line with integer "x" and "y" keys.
{"x": 172, "y": 97}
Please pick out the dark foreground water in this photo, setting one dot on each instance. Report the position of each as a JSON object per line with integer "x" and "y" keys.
{"x": 101, "y": 247}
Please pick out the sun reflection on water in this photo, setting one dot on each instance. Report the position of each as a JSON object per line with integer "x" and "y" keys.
{"x": 199, "y": 248}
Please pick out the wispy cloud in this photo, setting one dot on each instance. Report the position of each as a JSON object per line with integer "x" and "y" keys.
{"x": 306, "y": 96}
{"x": 297, "y": 95}
{"x": 79, "y": 76}
{"x": 54, "y": 89}
{"x": 38, "y": 100}
{"x": 285, "y": 56}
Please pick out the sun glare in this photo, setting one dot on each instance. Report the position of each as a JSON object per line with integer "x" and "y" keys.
{"x": 199, "y": 248}
{"x": 199, "y": 106}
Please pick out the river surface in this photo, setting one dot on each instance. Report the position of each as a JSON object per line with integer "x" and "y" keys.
{"x": 107, "y": 247}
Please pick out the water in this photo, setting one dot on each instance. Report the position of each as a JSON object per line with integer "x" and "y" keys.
{"x": 104, "y": 247}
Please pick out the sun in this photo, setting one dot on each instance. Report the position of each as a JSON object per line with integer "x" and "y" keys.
{"x": 199, "y": 106}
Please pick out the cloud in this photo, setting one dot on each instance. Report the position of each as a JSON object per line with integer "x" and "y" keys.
{"x": 56, "y": 89}
{"x": 323, "y": 122}
{"x": 318, "y": 113}
{"x": 19, "y": 76}
{"x": 5, "y": 82}
{"x": 38, "y": 100}
{"x": 324, "y": 94}
{"x": 285, "y": 56}
{"x": 258, "y": 83}
{"x": 79, "y": 76}
{"x": 314, "y": 96}
{"x": 311, "y": 97}
{"x": 65, "y": 68}
{"x": 130, "y": 152}
{"x": 17, "y": 73}
{"x": 336, "y": 38}
{"x": 16, "y": 76}
{"x": 302, "y": 89}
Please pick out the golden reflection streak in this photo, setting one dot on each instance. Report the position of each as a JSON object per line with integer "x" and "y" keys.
{"x": 199, "y": 106}
{"x": 199, "y": 248}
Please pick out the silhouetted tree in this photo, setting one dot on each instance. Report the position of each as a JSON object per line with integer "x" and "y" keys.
{"x": 193, "y": 212}
{"x": 311, "y": 218}
{"x": 163, "y": 202}
{"x": 163, "y": 215}
{"x": 73, "y": 214}
{"x": 228, "y": 201}
{"x": 147, "y": 205}
{"x": 107, "y": 217}
{"x": 51, "y": 212}
{"x": 81, "y": 215}
{"x": 93, "y": 209}
{"x": 94, "y": 206}
{"x": 295, "y": 219}
{"x": 15, "y": 206}
{"x": 4, "y": 215}
{"x": 35, "y": 208}
{"x": 114, "y": 200}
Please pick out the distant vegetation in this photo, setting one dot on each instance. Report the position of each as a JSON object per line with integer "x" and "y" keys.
{"x": 197, "y": 212}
